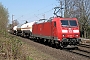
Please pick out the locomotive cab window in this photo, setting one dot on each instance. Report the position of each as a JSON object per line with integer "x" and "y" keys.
{"x": 73, "y": 23}
{"x": 54, "y": 24}
{"x": 64, "y": 22}
{"x": 68, "y": 23}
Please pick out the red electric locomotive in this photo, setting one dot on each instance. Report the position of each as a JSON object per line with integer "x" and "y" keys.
{"x": 59, "y": 31}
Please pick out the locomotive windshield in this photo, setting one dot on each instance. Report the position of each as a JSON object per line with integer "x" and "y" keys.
{"x": 69, "y": 22}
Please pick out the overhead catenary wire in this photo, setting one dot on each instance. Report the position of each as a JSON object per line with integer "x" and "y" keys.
{"x": 36, "y": 11}
{"x": 43, "y": 8}
{"x": 40, "y": 14}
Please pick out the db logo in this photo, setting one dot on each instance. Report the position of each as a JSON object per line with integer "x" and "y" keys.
{"x": 70, "y": 30}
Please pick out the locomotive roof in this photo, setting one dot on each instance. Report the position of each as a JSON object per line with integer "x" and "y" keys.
{"x": 42, "y": 21}
{"x": 49, "y": 20}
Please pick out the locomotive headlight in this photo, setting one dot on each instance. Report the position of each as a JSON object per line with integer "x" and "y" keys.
{"x": 63, "y": 35}
{"x": 76, "y": 35}
{"x": 75, "y": 31}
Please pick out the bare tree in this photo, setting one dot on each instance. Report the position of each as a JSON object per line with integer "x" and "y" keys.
{"x": 83, "y": 15}
{"x": 3, "y": 17}
{"x": 81, "y": 10}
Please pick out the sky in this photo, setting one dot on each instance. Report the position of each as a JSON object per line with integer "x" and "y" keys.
{"x": 29, "y": 10}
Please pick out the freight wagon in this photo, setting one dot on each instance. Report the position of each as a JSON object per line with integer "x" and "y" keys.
{"x": 26, "y": 29}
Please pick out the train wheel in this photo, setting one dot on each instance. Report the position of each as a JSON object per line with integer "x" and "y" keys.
{"x": 38, "y": 39}
{"x": 16, "y": 33}
{"x": 61, "y": 46}
{"x": 51, "y": 43}
{"x": 57, "y": 46}
{"x": 41, "y": 40}
{"x": 22, "y": 34}
{"x": 35, "y": 39}
{"x": 56, "y": 43}
{"x": 45, "y": 41}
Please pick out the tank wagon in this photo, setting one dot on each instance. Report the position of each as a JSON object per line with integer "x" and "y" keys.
{"x": 14, "y": 30}
{"x": 26, "y": 29}
{"x": 18, "y": 30}
{"x": 57, "y": 31}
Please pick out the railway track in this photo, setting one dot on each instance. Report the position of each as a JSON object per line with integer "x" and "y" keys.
{"x": 85, "y": 45}
{"x": 79, "y": 51}
{"x": 82, "y": 50}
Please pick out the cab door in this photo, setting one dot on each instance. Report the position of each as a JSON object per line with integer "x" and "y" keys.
{"x": 54, "y": 29}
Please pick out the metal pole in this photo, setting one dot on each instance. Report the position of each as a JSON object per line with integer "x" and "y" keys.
{"x": 12, "y": 21}
{"x": 61, "y": 8}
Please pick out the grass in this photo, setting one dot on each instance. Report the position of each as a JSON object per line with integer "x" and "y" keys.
{"x": 12, "y": 48}
{"x": 28, "y": 58}
{"x": 34, "y": 54}
{"x": 9, "y": 46}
